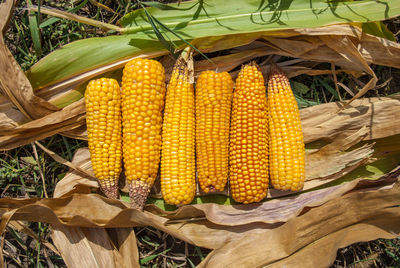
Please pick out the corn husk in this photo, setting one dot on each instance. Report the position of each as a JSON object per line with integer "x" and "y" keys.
{"x": 351, "y": 191}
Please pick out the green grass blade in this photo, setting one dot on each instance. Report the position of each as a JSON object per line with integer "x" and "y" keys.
{"x": 178, "y": 36}
{"x": 53, "y": 20}
{"x": 162, "y": 6}
{"x": 34, "y": 29}
{"x": 328, "y": 87}
{"x": 159, "y": 35}
{"x": 152, "y": 257}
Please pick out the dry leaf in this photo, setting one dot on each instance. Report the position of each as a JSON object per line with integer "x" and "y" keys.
{"x": 68, "y": 118}
{"x": 357, "y": 216}
{"x": 328, "y": 122}
{"x": 14, "y": 84}
{"x": 88, "y": 247}
{"x": 73, "y": 182}
{"x": 247, "y": 244}
{"x": 96, "y": 247}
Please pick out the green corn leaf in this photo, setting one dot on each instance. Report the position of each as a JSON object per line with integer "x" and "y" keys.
{"x": 234, "y": 17}
{"x": 214, "y": 18}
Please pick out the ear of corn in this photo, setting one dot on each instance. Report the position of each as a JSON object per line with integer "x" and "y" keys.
{"x": 286, "y": 137}
{"x": 178, "y": 184}
{"x": 248, "y": 152}
{"x": 143, "y": 92}
{"x": 213, "y": 107}
{"x": 103, "y": 119}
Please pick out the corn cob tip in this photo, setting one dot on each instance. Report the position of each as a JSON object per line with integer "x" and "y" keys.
{"x": 138, "y": 192}
{"x": 109, "y": 189}
{"x": 274, "y": 70}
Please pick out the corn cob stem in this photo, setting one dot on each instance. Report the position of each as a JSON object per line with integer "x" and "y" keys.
{"x": 143, "y": 92}
{"x": 286, "y": 137}
{"x": 178, "y": 185}
{"x": 213, "y": 108}
{"x": 248, "y": 150}
{"x": 103, "y": 119}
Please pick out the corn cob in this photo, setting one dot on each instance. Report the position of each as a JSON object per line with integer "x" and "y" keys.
{"x": 143, "y": 92}
{"x": 213, "y": 108}
{"x": 178, "y": 184}
{"x": 286, "y": 138}
{"x": 103, "y": 119}
{"x": 248, "y": 151}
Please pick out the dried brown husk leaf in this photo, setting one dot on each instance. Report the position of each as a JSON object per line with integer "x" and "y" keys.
{"x": 375, "y": 207}
{"x": 13, "y": 82}
{"x": 96, "y": 247}
{"x": 338, "y": 223}
{"x": 330, "y": 121}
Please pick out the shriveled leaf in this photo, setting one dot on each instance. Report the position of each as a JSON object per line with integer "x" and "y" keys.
{"x": 18, "y": 89}
{"x": 370, "y": 205}
{"x": 96, "y": 247}
{"x": 88, "y": 247}
{"x": 70, "y": 117}
{"x": 74, "y": 182}
{"x": 6, "y": 11}
{"x": 329, "y": 121}
{"x": 338, "y": 223}
{"x": 92, "y": 210}
{"x": 274, "y": 211}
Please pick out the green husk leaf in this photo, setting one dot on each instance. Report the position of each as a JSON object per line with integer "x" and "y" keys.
{"x": 252, "y": 16}
{"x": 378, "y": 29}
{"x": 193, "y": 24}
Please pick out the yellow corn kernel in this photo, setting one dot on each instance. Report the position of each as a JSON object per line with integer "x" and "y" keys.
{"x": 103, "y": 120}
{"x": 143, "y": 92}
{"x": 248, "y": 150}
{"x": 178, "y": 184}
{"x": 213, "y": 108}
{"x": 286, "y": 137}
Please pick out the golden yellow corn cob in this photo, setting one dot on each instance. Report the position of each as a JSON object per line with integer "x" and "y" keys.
{"x": 178, "y": 183}
{"x": 103, "y": 120}
{"x": 213, "y": 108}
{"x": 248, "y": 151}
{"x": 286, "y": 137}
{"x": 143, "y": 92}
